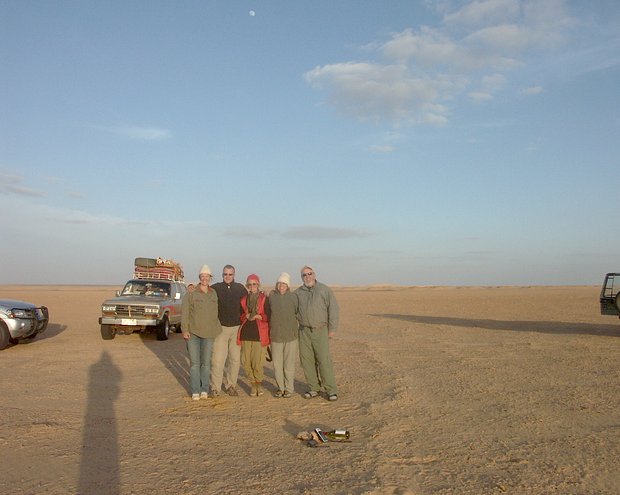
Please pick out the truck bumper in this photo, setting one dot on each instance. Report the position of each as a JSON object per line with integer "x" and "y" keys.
{"x": 128, "y": 322}
{"x": 21, "y": 328}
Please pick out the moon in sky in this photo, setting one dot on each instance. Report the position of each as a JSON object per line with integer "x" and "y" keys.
{"x": 252, "y": 13}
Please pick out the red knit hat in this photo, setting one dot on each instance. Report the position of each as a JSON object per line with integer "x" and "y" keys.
{"x": 253, "y": 277}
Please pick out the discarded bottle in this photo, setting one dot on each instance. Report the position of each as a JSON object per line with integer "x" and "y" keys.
{"x": 321, "y": 434}
{"x": 337, "y": 435}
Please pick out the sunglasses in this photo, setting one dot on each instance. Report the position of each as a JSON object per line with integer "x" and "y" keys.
{"x": 252, "y": 284}
{"x": 307, "y": 274}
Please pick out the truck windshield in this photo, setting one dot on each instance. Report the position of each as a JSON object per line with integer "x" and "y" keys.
{"x": 145, "y": 288}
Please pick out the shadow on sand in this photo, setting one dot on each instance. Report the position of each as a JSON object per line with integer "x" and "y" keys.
{"x": 173, "y": 355}
{"x": 551, "y": 327}
{"x": 51, "y": 332}
{"x": 99, "y": 465}
{"x": 53, "y": 329}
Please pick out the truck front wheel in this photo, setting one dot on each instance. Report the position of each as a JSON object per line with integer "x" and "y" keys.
{"x": 163, "y": 329}
{"x": 107, "y": 333}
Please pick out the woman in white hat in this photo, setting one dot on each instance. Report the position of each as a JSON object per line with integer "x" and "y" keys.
{"x": 284, "y": 335}
{"x": 200, "y": 325}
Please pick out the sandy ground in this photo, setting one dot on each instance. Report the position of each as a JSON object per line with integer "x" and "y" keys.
{"x": 445, "y": 391}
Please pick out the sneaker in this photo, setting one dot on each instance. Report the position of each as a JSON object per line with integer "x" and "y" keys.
{"x": 215, "y": 394}
{"x": 278, "y": 393}
{"x": 195, "y": 396}
{"x": 311, "y": 394}
{"x": 232, "y": 391}
{"x": 332, "y": 397}
{"x": 286, "y": 394}
{"x": 204, "y": 395}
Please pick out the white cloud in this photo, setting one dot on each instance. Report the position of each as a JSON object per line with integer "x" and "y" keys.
{"x": 248, "y": 232}
{"x": 21, "y": 190}
{"x": 300, "y": 232}
{"x": 480, "y": 96}
{"x": 484, "y": 12}
{"x": 140, "y": 133}
{"x": 381, "y": 148}
{"x": 533, "y": 90}
{"x": 321, "y": 232}
{"x": 12, "y": 184}
{"x": 381, "y": 92}
{"x": 423, "y": 71}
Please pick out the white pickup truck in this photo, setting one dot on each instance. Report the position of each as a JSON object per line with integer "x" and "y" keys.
{"x": 150, "y": 302}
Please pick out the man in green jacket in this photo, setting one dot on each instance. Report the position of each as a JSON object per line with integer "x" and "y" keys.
{"x": 318, "y": 320}
{"x": 200, "y": 325}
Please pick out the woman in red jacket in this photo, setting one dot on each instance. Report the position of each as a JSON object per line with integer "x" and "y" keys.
{"x": 253, "y": 335}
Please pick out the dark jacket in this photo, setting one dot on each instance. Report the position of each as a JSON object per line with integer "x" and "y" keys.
{"x": 229, "y": 302}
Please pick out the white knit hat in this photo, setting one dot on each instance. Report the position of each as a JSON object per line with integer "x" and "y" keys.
{"x": 285, "y": 278}
{"x": 205, "y": 269}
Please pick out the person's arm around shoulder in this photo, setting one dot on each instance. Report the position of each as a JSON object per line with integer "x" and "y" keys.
{"x": 244, "y": 315}
{"x": 267, "y": 309}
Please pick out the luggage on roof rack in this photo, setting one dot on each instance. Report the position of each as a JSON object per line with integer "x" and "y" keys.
{"x": 158, "y": 269}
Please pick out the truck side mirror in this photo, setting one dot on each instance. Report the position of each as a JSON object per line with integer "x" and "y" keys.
{"x": 177, "y": 295}
{"x": 118, "y": 293}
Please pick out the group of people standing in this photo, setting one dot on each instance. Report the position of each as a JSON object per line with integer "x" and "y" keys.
{"x": 226, "y": 325}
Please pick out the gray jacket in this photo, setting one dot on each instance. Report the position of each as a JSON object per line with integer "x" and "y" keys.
{"x": 283, "y": 326}
{"x": 318, "y": 307}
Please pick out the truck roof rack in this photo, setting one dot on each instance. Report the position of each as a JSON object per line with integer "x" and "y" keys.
{"x": 157, "y": 274}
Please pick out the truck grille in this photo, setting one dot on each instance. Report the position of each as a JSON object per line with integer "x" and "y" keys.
{"x": 129, "y": 311}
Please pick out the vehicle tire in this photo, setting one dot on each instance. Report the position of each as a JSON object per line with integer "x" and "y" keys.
{"x": 618, "y": 301}
{"x": 107, "y": 332}
{"x": 27, "y": 340}
{"x": 5, "y": 336}
{"x": 163, "y": 329}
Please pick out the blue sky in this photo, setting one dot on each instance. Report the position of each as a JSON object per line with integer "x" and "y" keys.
{"x": 400, "y": 142}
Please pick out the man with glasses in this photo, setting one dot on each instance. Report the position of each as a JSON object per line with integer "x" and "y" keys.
{"x": 318, "y": 320}
{"x": 226, "y": 353}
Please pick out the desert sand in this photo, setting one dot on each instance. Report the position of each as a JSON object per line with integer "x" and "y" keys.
{"x": 445, "y": 390}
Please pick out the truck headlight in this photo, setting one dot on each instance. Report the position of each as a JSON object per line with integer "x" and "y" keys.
{"x": 108, "y": 308}
{"x": 17, "y": 313}
{"x": 151, "y": 311}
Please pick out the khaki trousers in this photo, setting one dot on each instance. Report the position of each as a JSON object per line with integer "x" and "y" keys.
{"x": 225, "y": 359}
{"x": 284, "y": 356}
{"x": 313, "y": 354}
{"x": 253, "y": 359}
